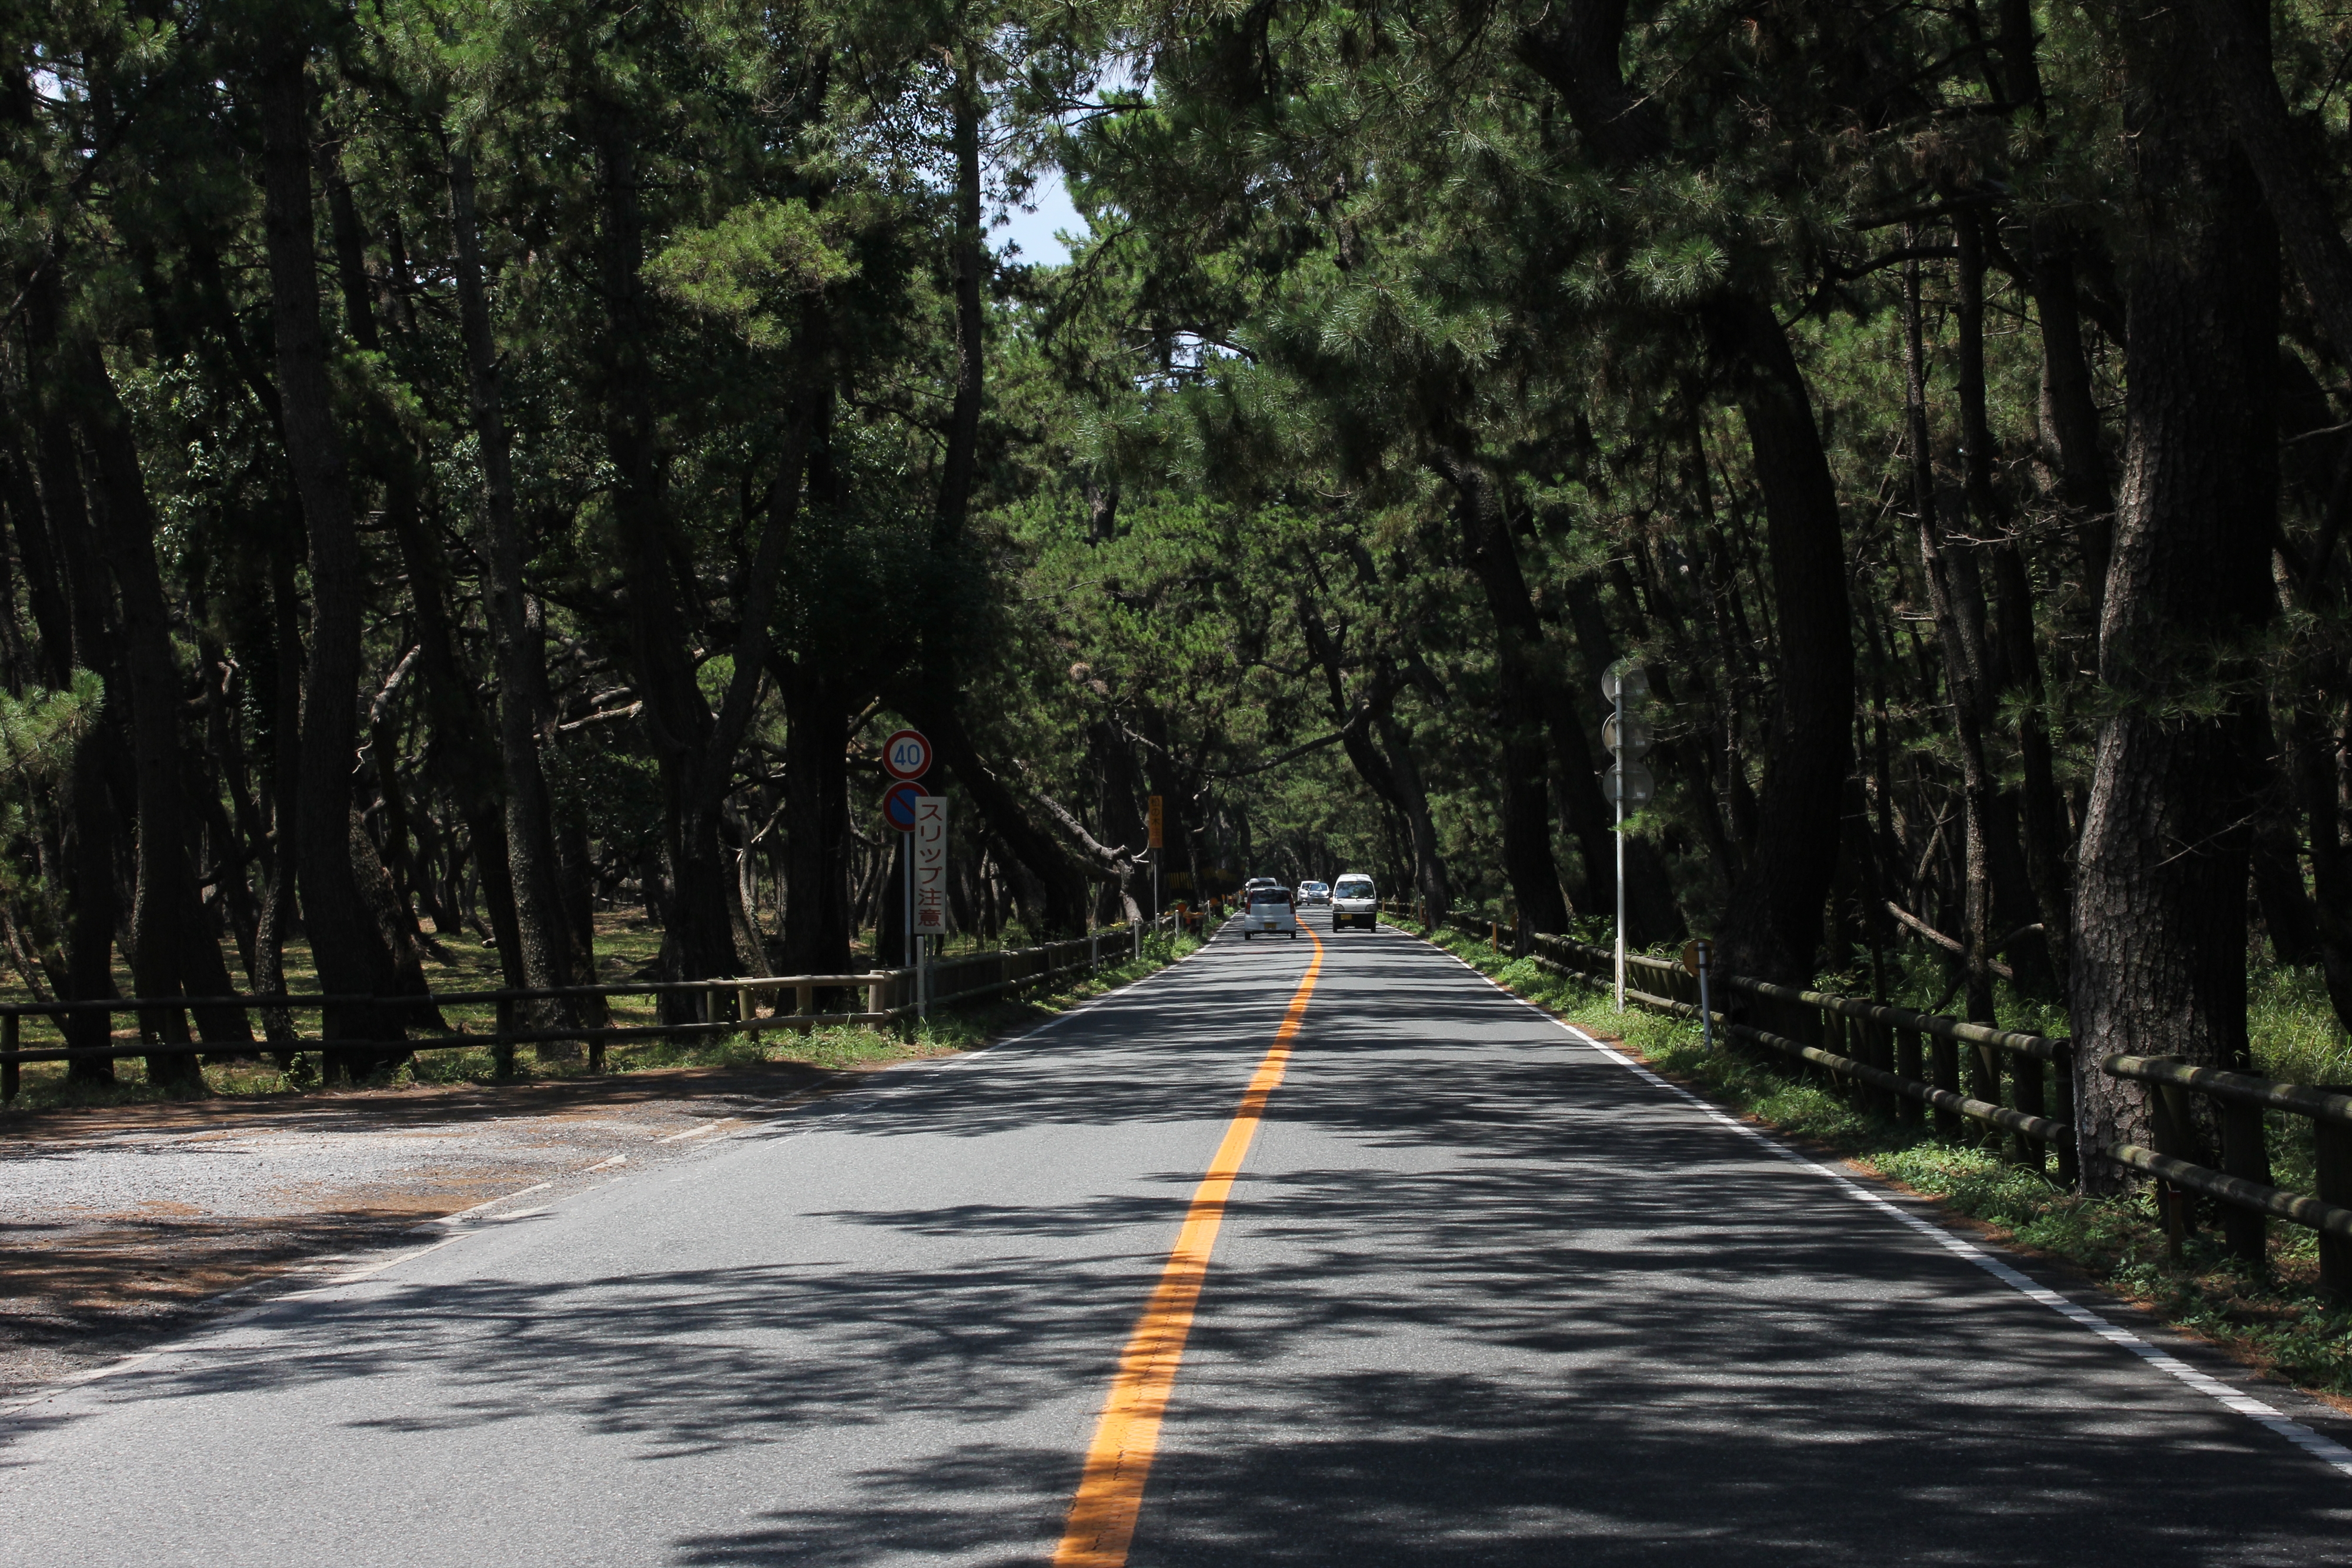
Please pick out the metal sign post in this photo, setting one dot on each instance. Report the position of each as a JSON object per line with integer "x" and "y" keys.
{"x": 1698, "y": 958}
{"x": 1158, "y": 821}
{"x": 1705, "y": 1007}
{"x": 1619, "y": 699}
{"x": 1627, "y": 783}
{"x": 907, "y": 757}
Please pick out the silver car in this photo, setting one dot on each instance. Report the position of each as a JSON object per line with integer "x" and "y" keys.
{"x": 1269, "y": 912}
{"x": 1313, "y": 892}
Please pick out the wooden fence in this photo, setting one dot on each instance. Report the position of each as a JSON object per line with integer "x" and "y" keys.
{"x": 2020, "y": 1087}
{"x": 725, "y": 1005}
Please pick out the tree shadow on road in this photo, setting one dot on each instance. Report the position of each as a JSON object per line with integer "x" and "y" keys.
{"x": 1487, "y": 1299}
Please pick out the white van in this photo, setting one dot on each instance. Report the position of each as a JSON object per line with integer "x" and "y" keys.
{"x": 1355, "y": 902}
{"x": 1269, "y": 912}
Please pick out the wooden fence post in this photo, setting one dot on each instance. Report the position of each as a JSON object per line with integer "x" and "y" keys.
{"x": 2070, "y": 1160}
{"x": 2246, "y": 1153}
{"x": 1946, "y": 1053}
{"x": 502, "y": 1053}
{"x": 2027, "y": 1073}
{"x": 2169, "y": 1124}
{"x": 1882, "y": 1057}
{"x": 2334, "y": 1161}
{"x": 1833, "y": 1030}
{"x": 1907, "y": 1111}
{"x": 1984, "y": 1083}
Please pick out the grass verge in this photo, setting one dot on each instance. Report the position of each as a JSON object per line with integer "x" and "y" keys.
{"x": 2275, "y": 1319}
{"x": 948, "y": 1031}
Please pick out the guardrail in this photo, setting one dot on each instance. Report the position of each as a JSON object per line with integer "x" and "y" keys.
{"x": 890, "y": 996}
{"x": 1910, "y": 1064}
{"x": 1904, "y": 1063}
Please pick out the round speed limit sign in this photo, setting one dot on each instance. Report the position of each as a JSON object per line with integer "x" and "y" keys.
{"x": 907, "y": 755}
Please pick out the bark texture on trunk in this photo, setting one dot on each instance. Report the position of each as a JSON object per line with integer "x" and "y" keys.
{"x": 1772, "y": 927}
{"x": 172, "y": 949}
{"x": 698, "y": 937}
{"x": 351, "y": 958}
{"x": 2160, "y": 891}
{"x": 541, "y": 933}
{"x": 817, "y": 913}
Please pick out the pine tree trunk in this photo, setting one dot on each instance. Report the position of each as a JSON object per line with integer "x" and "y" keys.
{"x": 345, "y": 942}
{"x": 1964, "y": 669}
{"x": 697, "y": 938}
{"x": 2160, "y": 890}
{"x": 93, "y": 824}
{"x": 1526, "y": 806}
{"x": 1772, "y": 928}
{"x": 172, "y": 951}
{"x": 816, "y": 822}
{"x": 545, "y": 939}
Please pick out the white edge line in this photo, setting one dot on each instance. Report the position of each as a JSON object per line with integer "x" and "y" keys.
{"x": 2325, "y": 1450}
{"x": 355, "y": 1275}
{"x": 493, "y": 1203}
{"x": 698, "y": 1131}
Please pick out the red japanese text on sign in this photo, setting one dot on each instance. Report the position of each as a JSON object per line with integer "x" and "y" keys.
{"x": 931, "y": 863}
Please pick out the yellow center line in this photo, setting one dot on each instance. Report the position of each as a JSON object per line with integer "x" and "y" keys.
{"x": 1110, "y": 1488}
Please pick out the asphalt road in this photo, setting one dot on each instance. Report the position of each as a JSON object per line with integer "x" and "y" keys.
{"x": 1483, "y": 1295}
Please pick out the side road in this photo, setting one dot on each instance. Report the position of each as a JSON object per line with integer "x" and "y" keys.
{"x": 1481, "y": 1289}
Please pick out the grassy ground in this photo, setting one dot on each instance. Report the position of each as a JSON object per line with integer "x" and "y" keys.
{"x": 2274, "y": 1318}
{"x": 625, "y": 945}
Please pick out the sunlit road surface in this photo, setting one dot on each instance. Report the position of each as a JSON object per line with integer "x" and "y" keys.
{"x": 1479, "y": 1293}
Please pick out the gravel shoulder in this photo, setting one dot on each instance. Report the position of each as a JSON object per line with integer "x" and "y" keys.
{"x": 122, "y": 1226}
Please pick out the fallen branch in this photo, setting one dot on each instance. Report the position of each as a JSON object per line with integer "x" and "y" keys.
{"x": 611, "y": 713}
{"x": 1953, "y": 945}
{"x": 1110, "y": 864}
{"x": 1296, "y": 751}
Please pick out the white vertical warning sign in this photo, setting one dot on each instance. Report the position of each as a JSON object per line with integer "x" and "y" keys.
{"x": 930, "y": 863}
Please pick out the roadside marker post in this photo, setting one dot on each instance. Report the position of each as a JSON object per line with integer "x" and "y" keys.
{"x": 1159, "y": 839}
{"x": 1627, "y": 780}
{"x": 1698, "y": 958}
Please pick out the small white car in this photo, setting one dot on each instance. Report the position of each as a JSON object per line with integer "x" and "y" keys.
{"x": 1355, "y": 902}
{"x": 1269, "y": 912}
{"x": 1313, "y": 892}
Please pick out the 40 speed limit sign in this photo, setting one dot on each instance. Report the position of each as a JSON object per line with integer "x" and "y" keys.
{"x": 907, "y": 755}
